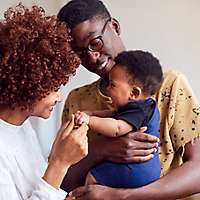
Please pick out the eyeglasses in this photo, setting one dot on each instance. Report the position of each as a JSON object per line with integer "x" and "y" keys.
{"x": 95, "y": 44}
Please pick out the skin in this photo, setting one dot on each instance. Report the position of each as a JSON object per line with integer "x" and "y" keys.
{"x": 120, "y": 89}
{"x": 170, "y": 186}
{"x": 44, "y": 107}
{"x": 70, "y": 145}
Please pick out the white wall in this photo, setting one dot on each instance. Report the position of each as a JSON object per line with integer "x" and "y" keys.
{"x": 169, "y": 29}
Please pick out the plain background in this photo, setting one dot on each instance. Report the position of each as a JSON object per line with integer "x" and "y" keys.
{"x": 169, "y": 29}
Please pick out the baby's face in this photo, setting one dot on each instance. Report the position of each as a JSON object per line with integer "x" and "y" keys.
{"x": 119, "y": 88}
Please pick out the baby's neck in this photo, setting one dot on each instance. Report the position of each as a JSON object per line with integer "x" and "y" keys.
{"x": 103, "y": 85}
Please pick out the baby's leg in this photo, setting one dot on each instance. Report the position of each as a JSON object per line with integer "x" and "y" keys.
{"x": 90, "y": 179}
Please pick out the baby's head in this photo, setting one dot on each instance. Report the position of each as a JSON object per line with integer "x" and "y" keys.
{"x": 136, "y": 75}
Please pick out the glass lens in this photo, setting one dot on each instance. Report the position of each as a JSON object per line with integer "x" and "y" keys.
{"x": 95, "y": 44}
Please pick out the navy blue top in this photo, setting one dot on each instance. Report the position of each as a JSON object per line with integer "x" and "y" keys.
{"x": 138, "y": 114}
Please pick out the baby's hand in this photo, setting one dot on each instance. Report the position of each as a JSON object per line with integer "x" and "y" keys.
{"x": 81, "y": 117}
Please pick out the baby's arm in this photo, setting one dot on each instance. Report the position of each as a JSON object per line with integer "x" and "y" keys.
{"x": 106, "y": 126}
{"x": 99, "y": 113}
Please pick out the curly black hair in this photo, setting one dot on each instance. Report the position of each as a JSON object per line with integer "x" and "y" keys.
{"x": 143, "y": 68}
{"x": 35, "y": 56}
{"x": 78, "y": 11}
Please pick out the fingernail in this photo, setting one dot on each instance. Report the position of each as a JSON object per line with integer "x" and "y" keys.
{"x": 152, "y": 155}
{"x": 155, "y": 150}
{"x": 70, "y": 194}
{"x": 157, "y": 144}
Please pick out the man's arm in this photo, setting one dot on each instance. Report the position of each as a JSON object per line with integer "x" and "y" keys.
{"x": 179, "y": 183}
{"x": 133, "y": 147}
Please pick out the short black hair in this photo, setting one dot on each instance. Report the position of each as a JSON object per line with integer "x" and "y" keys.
{"x": 143, "y": 68}
{"x": 78, "y": 11}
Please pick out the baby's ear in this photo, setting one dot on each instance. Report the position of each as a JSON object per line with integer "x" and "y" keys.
{"x": 135, "y": 93}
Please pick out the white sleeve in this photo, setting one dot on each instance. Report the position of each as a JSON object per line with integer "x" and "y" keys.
{"x": 7, "y": 186}
{"x": 41, "y": 191}
{"x": 44, "y": 191}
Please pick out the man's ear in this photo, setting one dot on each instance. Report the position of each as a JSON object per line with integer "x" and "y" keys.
{"x": 116, "y": 26}
{"x": 135, "y": 93}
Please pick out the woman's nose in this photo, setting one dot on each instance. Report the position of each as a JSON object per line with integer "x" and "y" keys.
{"x": 59, "y": 96}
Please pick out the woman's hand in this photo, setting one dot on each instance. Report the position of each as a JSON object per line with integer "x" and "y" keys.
{"x": 132, "y": 147}
{"x": 70, "y": 145}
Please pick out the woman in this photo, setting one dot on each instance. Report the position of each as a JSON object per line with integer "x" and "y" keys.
{"x": 35, "y": 60}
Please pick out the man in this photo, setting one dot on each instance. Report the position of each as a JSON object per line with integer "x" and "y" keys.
{"x": 97, "y": 41}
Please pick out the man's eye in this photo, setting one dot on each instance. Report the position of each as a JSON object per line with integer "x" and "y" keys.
{"x": 95, "y": 44}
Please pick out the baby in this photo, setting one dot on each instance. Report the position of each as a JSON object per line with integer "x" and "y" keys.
{"x": 136, "y": 76}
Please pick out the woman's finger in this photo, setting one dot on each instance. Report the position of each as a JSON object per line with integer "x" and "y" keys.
{"x": 67, "y": 130}
{"x": 82, "y": 129}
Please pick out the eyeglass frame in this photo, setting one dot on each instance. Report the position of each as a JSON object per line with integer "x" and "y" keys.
{"x": 84, "y": 50}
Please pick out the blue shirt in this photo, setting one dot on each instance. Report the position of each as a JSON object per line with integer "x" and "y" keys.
{"x": 138, "y": 114}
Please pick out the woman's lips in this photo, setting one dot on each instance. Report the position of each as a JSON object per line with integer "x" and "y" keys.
{"x": 51, "y": 109}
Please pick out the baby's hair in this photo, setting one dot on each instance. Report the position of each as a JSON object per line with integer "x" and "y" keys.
{"x": 143, "y": 68}
{"x": 35, "y": 56}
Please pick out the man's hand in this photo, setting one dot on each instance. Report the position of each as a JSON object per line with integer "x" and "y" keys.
{"x": 132, "y": 147}
{"x": 95, "y": 192}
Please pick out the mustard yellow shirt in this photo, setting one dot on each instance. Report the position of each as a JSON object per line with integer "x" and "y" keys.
{"x": 179, "y": 114}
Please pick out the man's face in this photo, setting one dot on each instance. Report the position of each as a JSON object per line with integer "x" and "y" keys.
{"x": 99, "y": 62}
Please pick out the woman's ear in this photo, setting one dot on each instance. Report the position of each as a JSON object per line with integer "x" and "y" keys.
{"x": 135, "y": 93}
{"x": 116, "y": 26}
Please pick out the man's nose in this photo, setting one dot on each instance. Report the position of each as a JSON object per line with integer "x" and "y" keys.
{"x": 93, "y": 56}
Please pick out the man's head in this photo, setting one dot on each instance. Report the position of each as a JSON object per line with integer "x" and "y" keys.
{"x": 96, "y": 35}
{"x": 78, "y": 11}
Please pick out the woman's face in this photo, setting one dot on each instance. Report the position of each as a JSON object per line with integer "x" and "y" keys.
{"x": 44, "y": 107}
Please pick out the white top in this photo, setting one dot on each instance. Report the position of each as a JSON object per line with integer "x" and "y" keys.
{"x": 22, "y": 165}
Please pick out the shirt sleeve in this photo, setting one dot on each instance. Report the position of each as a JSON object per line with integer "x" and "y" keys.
{"x": 7, "y": 186}
{"x": 184, "y": 113}
{"x": 44, "y": 191}
{"x": 41, "y": 191}
{"x": 131, "y": 113}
